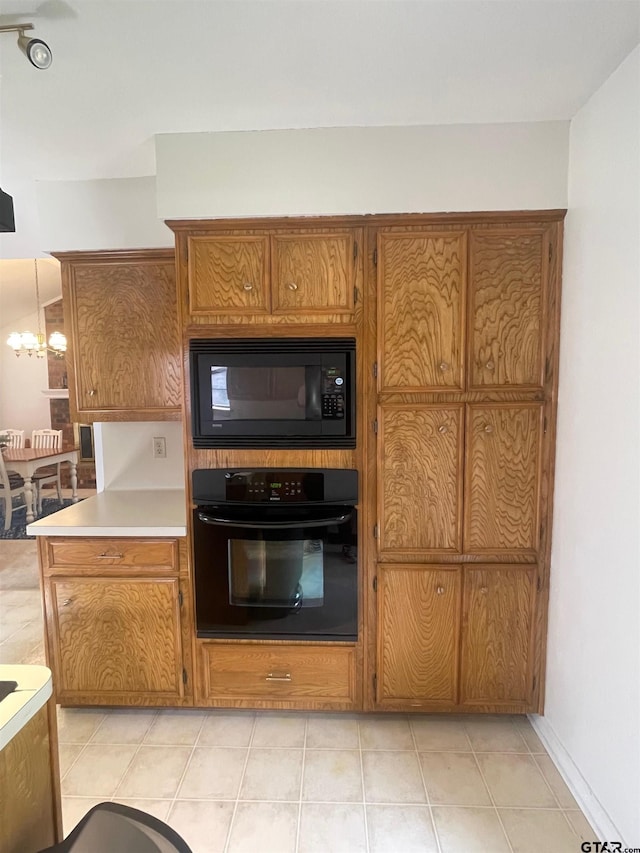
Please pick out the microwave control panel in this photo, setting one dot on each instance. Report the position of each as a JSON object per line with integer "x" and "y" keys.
{"x": 333, "y": 393}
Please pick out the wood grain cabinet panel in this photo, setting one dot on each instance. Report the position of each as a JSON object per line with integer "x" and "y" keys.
{"x": 228, "y": 275}
{"x": 99, "y": 553}
{"x": 313, "y": 273}
{"x": 116, "y": 636}
{"x": 502, "y": 477}
{"x": 124, "y": 346}
{"x": 283, "y": 673}
{"x": 508, "y": 283}
{"x": 421, "y": 296}
{"x": 419, "y": 484}
{"x": 268, "y": 275}
{"x": 497, "y": 631}
{"x": 418, "y": 630}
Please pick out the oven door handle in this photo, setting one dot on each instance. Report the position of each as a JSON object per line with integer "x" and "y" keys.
{"x": 274, "y": 525}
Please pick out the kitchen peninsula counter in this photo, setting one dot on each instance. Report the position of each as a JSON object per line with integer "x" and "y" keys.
{"x": 139, "y": 512}
{"x": 30, "y": 809}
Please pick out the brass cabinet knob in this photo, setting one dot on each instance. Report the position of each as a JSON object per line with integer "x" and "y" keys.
{"x": 91, "y": 392}
{"x": 444, "y": 366}
{"x": 67, "y": 602}
{"x": 490, "y": 365}
{"x": 484, "y": 590}
{"x": 488, "y": 428}
{"x": 292, "y": 286}
{"x": 443, "y": 428}
{"x": 247, "y": 285}
{"x": 439, "y": 590}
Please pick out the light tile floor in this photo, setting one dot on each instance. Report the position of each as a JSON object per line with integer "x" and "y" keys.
{"x": 265, "y": 782}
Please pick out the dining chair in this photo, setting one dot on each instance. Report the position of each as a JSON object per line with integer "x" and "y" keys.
{"x": 11, "y": 485}
{"x": 52, "y": 439}
{"x": 15, "y": 436}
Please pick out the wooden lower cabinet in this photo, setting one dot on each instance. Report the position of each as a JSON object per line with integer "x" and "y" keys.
{"x": 117, "y": 620}
{"x": 455, "y": 637}
{"x": 497, "y": 635}
{"x": 116, "y": 636}
{"x": 278, "y": 675}
{"x": 418, "y": 634}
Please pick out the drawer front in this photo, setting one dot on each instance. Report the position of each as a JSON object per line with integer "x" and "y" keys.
{"x": 112, "y": 553}
{"x": 279, "y": 672}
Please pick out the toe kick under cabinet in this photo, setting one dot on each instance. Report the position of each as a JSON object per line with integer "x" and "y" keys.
{"x": 117, "y": 620}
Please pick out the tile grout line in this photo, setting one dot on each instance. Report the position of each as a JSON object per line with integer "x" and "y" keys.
{"x": 304, "y": 759}
{"x": 426, "y": 789}
{"x": 482, "y": 776}
{"x": 133, "y": 757}
{"x": 364, "y": 790}
{"x": 242, "y": 775}
{"x": 553, "y": 793}
{"x": 186, "y": 766}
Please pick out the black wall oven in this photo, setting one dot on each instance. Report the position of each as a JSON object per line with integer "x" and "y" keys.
{"x": 275, "y": 554}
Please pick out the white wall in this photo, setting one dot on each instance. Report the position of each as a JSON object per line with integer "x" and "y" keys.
{"x": 593, "y": 677}
{"x": 362, "y": 170}
{"x": 22, "y": 379}
{"x": 124, "y": 458}
{"x": 106, "y": 214}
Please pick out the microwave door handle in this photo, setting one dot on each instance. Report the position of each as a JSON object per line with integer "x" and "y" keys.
{"x": 273, "y": 525}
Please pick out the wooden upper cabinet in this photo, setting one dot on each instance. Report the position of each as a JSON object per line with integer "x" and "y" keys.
{"x": 418, "y": 631}
{"x": 124, "y": 350}
{"x": 502, "y": 477}
{"x": 419, "y": 484}
{"x": 421, "y": 298}
{"x": 228, "y": 275}
{"x": 313, "y": 273}
{"x": 269, "y": 274}
{"x": 508, "y": 282}
{"x": 497, "y": 635}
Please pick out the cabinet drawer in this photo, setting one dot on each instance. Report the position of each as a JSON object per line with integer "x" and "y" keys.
{"x": 133, "y": 553}
{"x": 279, "y": 672}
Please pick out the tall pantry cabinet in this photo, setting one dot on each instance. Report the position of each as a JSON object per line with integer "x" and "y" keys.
{"x": 464, "y": 392}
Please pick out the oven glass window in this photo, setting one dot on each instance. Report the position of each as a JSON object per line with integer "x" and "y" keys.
{"x": 287, "y": 573}
{"x": 258, "y": 393}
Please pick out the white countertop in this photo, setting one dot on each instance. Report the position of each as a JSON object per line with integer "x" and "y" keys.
{"x": 139, "y": 512}
{"x": 33, "y": 690}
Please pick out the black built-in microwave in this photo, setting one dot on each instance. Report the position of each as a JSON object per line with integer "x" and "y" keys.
{"x": 271, "y": 392}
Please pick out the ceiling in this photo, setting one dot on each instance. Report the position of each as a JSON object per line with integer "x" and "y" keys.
{"x": 125, "y": 70}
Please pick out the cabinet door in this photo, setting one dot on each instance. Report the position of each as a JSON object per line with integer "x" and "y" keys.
{"x": 421, "y": 293}
{"x": 418, "y": 630}
{"x": 125, "y": 342}
{"x": 313, "y": 273}
{"x": 497, "y": 634}
{"x": 502, "y": 477}
{"x": 115, "y": 637}
{"x": 507, "y": 286}
{"x": 228, "y": 275}
{"x": 419, "y": 479}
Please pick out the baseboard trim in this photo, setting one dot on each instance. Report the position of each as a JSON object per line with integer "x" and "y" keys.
{"x": 593, "y": 810}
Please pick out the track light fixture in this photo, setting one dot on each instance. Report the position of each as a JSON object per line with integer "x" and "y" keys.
{"x": 37, "y": 52}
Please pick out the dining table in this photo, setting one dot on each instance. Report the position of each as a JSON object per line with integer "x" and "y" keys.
{"x": 26, "y": 461}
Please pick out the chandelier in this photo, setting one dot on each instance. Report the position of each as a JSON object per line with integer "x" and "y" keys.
{"x": 27, "y": 342}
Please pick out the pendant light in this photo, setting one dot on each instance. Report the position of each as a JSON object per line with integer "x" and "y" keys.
{"x": 27, "y": 342}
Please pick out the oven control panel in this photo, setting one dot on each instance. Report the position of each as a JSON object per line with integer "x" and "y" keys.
{"x": 274, "y": 486}
{"x": 220, "y": 486}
